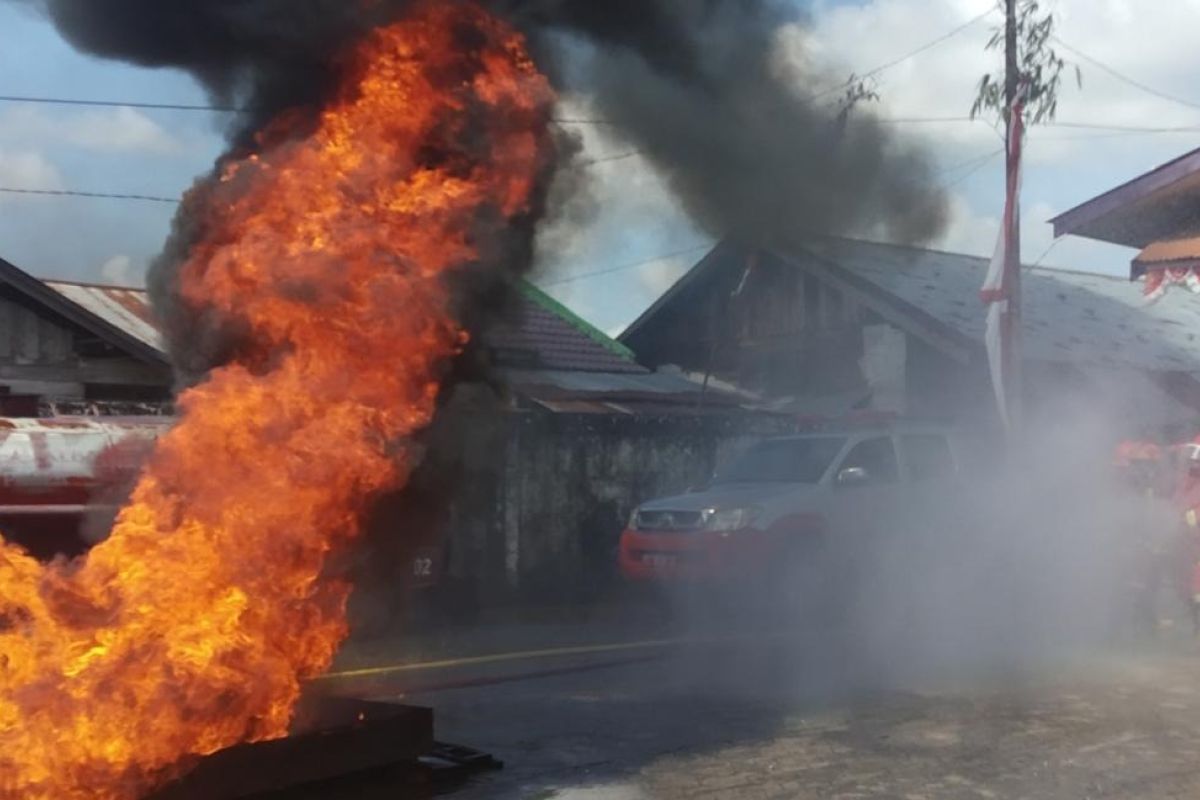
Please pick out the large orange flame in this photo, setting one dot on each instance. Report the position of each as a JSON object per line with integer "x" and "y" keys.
{"x": 193, "y": 626}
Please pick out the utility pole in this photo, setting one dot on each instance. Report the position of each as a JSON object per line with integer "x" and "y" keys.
{"x": 1011, "y": 331}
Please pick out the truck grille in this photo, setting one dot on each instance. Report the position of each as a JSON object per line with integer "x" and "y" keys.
{"x": 669, "y": 520}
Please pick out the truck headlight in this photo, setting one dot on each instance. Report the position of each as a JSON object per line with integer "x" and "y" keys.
{"x": 729, "y": 519}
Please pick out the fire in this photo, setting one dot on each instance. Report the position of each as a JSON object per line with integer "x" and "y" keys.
{"x": 194, "y": 625}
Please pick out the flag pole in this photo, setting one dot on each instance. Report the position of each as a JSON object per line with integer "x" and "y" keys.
{"x": 1010, "y": 330}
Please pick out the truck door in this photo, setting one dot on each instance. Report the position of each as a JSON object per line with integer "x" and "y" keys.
{"x": 866, "y": 485}
{"x": 866, "y": 488}
{"x": 927, "y": 458}
{"x": 931, "y": 473}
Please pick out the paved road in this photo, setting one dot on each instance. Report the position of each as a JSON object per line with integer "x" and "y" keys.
{"x": 769, "y": 720}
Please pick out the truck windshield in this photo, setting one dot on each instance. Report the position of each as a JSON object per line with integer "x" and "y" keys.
{"x": 783, "y": 461}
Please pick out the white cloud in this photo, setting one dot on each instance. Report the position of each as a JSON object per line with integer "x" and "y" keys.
{"x": 623, "y": 215}
{"x": 656, "y": 278}
{"x": 939, "y": 82}
{"x": 1151, "y": 41}
{"x": 24, "y": 169}
{"x": 1154, "y": 45}
{"x": 975, "y": 233}
{"x": 102, "y": 130}
{"x": 123, "y": 129}
{"x": 969, "y": 231}
{"x": 119, "y": 271}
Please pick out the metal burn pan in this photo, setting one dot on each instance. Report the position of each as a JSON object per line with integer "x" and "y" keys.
{"x": 332, "y": 738}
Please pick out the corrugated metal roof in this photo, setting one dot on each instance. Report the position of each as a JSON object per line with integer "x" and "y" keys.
{"x": 621, "y": 392}
{"x": 551, "y": 336}
{"x": 580, "y": 406}
{"x": 122, "y": 307}
{"x": 1165, "y": 252}
{"x": 1068, "y": 316}
{"x": 634, "y": 407}
{"x": 1156, "y": 205}
{"x": 83, "y": 424}
{"x": 606, "y": 382}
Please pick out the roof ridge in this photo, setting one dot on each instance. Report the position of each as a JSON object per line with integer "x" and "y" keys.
{"x": 542, "y": 298}
{"x": 46, "y": 295}
{"x": 984, "y": 259}
{"x": 95, "y": 285}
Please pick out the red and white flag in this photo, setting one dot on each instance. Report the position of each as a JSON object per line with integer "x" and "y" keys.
{"x": 1159, "y": 279}
{"x": 998, "y": 285}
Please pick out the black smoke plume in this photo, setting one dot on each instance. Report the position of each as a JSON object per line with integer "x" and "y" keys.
{"x": 750, "y": 146}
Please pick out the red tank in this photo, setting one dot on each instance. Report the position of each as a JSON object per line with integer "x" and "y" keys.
{"x": 63, "y": 479}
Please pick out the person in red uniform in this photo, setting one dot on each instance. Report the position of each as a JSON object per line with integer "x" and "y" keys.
{"x": 1188, "y": 500}
{"x": 1194, "y": 600}
{"x": 1153, "y": 529}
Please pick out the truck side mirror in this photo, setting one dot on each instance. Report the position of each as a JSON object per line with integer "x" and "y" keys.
{"x": 853, "y": 476}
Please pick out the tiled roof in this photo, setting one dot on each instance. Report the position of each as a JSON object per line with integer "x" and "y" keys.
{"x": 1084, "y": 318}
{"x": 540, "y": 333}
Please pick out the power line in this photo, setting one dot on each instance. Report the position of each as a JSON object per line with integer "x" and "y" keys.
{"x": 975, "y": 164}
{"x": 568, "y": 121}
{"x": 68, "y": 101}
{"x": 923, "y": 120}
{"x": 1053, "y": 244}
{"x": 978, "y": 166}
{"x": 894, "y": 62}
{"x": 1087, "y": 137}
{"x": 236, "y": 110}
{"x": 869, "y": 74}
{"x": 930, "y": 44}
{"x": 72, "y": 193}
{"x": 587, "y": 121}
{"x": 75, "y": 101}
{"x": 160, "y": 199}
{"x": 606, "y": 159}
{"x": 1082, "y": 125}
{"x": 632, "y": 265}
{"x": 1122, "y": 77}
{"x": 983, "y": 159}
{"x": 976, "y": 120}
{"x": 1125, "y": 128}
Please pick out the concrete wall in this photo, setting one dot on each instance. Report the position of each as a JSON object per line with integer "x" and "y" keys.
{"x": 547, "y": 530}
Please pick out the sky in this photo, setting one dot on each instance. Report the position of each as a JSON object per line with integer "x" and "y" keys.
{"x": 612, "y": 256}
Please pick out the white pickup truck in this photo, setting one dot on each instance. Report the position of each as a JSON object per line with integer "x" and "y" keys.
{"x": 784, "y": 494}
